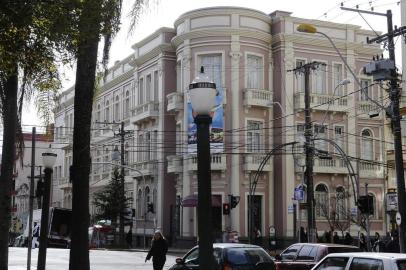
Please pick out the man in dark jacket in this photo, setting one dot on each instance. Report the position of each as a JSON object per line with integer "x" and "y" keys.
{"x": 158, "y": 251}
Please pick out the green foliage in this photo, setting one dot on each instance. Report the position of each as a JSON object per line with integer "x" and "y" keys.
{"x": 110, "y": 199}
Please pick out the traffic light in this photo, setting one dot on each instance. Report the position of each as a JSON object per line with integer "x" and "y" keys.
{"x": 366, "y": 204}
{"x": 226, "y": 208}
{"x": 150, "y": 208}
{"x": 234, "y": 200}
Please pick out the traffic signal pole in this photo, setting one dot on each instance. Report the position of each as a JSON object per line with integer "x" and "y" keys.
{"x": 394, "y": 113}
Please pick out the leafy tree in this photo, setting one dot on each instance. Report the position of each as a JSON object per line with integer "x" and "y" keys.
{"x": 110, "y": 199}
{"x": 31, "y": 43}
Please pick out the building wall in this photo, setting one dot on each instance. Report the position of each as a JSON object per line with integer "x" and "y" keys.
{"x": 240, "y": 37}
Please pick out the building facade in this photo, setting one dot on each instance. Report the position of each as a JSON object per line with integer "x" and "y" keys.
{"x": 250, "y": 56}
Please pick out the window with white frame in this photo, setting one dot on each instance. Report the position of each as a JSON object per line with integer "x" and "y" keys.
{"x": 321, "y": 200}
{"x": 339, "y": 137}
{"x": 107, "y": 111}
{"x": 156, "y": 86}
{"x": 139, "y": 204}
{"x": 367, "y": 151}
{"x": 141, "y": 91}
{"x": 300, "y": 78}
{"x": 254, "y": 136}
{"x": 117, "y": 109}
{"x": 147, "y": 151}
{"x": 375, "y": 215}
{"x": 337, "y": 79}
{"x": 98, "y": 115}
{"x": 126, "y": 154}
{"x": 127, "y": 104}
{"x": 178, "y": 139}
{"x": 365, "y": 90}
{"x": 140, "y": 148}
{"x": 148, "y": 83}
{"x": 179, "y": 76}
{"x": 320, "y": 80}
{"x": 320, "y": 131}
{"x": 212, "y": 64}
{"x": 155, "y": 144}
{"x": 255, "y": 71}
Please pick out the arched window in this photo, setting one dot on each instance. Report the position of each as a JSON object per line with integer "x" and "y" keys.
{"x": 321, "y": 200}
{"x": 367, "y": 151}
{"x": 117, "y": 109}
{"x": 107, "y": 112}
{"x": 341, "y": 206}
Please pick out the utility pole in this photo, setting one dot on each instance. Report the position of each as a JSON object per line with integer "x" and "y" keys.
{"x": 31, "y": 199}
{"x": 309, "y": 149}
{"x": 122, "y": 178}
{"x": 385, "y": 69}
{"x": 367, "y": 219}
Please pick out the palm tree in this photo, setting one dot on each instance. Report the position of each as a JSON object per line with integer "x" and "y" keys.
{"x": 97, "y": 18}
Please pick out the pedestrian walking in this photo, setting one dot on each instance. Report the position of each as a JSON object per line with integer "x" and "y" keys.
{"x": 348, "y": 240}
{"x": 159, "y": 248}
{"x": 303, "y": 235}
{"x": 376, "y": 245}
{"x": 336, "y": 238}
{"x": 129, "y": 238}
{"x": 35, "y": 236}
{"x": 362, "y": 242}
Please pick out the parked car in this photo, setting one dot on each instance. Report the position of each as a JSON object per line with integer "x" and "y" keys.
{"x": 363, "y": 260}
{"x": 303, "y": 256}
{"x": 229, "y": 256}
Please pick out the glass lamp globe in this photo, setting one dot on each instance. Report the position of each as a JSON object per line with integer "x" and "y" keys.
{"x": 49, "y": 158}
{"x": 202, "y": 93}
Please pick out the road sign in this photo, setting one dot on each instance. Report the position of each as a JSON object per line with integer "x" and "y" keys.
{"x": 398, "y": 218}
{"x": 290, "y": 209}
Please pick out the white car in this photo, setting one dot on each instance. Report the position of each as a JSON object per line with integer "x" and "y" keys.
{"x": 362, "y": 261}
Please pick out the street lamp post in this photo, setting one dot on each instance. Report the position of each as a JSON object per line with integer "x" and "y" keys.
{"x": 49, "y": 161}
{"x": 202, "y": 94}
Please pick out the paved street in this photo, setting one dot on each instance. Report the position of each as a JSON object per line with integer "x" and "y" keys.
{"x": 58, "y": 259}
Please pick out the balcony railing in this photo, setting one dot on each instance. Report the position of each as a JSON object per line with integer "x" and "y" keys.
{"x": 64, "y": 183}
{"x": 257, "y": 97}
{"x": 364, "y": 108}
{"x": 322, "y": 102}
{"x": 218, "y": 162}
{"x": 145, "y": 112}
{"x": 370, "y": 170}
{"x": 175, "y": 101}
{"x": 146, "y": 167}
{"x": 335, "y": 166}
{"x": 174, "y": 164}
{"x": 252, "y": 162}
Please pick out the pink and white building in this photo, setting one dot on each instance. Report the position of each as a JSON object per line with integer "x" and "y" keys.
{"x": 248, "y": 54}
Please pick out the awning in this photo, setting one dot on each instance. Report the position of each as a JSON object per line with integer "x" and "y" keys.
{"x": 191, "y": 201}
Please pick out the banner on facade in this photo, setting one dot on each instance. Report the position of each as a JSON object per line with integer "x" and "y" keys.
{"x": 216, "y": 128}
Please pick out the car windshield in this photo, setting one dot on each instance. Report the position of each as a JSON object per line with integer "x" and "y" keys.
{"x": 401, "y": 264}
{"x": 244, "y": 256}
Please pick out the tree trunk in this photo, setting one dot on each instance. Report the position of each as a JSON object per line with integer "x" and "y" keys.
{"x": 89, "y": 30}
{"x": 7, "y": 163}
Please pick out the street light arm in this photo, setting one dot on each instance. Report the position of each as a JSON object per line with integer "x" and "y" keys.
{"x": 350, "y": 70}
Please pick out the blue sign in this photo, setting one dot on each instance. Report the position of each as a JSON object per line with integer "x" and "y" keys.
{"x": 298, "y": 194}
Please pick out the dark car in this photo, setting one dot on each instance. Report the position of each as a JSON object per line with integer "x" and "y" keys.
{"x": 229, "y": 256}
{"x": 304, "y": 256}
